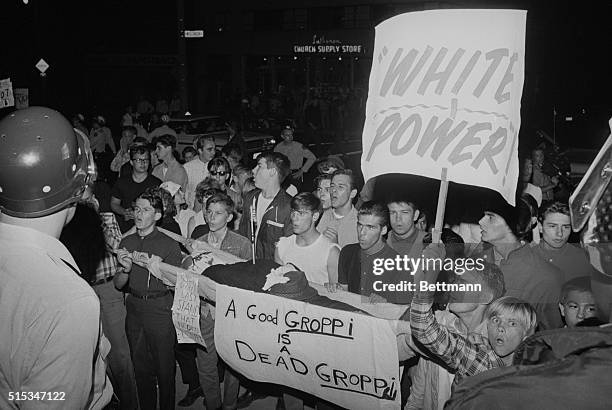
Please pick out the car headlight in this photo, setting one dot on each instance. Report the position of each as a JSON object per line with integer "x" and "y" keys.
{"x": 272, "y": 141}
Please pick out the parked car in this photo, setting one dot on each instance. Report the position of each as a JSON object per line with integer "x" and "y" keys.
{"x": 190, "y": 127}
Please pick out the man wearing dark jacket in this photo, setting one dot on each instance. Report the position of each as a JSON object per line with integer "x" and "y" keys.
{"x": 267, "y": 209}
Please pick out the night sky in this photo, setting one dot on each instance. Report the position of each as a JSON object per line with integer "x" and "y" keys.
{"x": 567, "y": 62}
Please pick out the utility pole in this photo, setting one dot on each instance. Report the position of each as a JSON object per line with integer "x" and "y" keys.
{"x": 182, "y": 56}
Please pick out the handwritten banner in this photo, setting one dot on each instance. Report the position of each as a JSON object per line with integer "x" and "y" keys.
{"x": 186, "y": 310}
{"x": 445, "y": 92}
{"x": 343, "y": 357}
{"x": 21, "y": 98}
{"x": 6, "y": 93}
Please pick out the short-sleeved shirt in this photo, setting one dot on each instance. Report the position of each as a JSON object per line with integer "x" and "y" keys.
{"x": 356, "y": 269}
{"x": 155, "y": 243}
{"x": 345, "y": 226}
{"x": 49, "y": 325}
{"x": 197, "y": 171}
{"x": 173, "y": 172}
{"x": 127, "y": 190}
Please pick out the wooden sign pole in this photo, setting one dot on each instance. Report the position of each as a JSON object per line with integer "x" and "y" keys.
{"x": 437, "y": 230}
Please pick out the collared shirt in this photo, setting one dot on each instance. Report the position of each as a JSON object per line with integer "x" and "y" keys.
{"x": 50, "y": 328}
{"x": 233, "y": 243}
{"x": 346, "y": 226}
{"x": 431, "y": 382}
{"x": 155, "y": 243}
{"x": 468, "y": 355}
{"x": 172, "y": 171}
{"x": 197, "y": 171}
{"x": 112, "y": 235}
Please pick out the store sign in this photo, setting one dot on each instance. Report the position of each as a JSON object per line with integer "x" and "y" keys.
{"x": 324, "y": 45}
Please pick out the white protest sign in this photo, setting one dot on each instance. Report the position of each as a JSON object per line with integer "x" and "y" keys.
{"x": 186, "y": 310}
{"x": 346, "y": 358}
{"x": 445, "y": 92}
{"x": 21, "y": 98}
{"x": 6, "y": 93}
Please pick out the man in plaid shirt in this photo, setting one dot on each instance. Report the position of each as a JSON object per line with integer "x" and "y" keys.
{"x": 112, "y": 307}
{"x": 509, "y": 320}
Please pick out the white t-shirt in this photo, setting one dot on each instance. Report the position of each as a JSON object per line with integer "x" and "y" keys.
{"x": 311, "y": 259}
{"x": 197, "y": 171}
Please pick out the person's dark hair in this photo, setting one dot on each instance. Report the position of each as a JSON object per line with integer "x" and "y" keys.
{"x": 167, "y": 140}
{"x": 233, "y": 151}
{"x": 218, "y": 162}
{"x": 139, "y": 141}
{"x": 167, "y": 201}
{"x": 139, "y": 150}
{"x": 153, "y": 143}
{"x": 154, "y": 196}
{"x": 279, "y": 162}
{"x": 554, "y": 207}
{"x": 320, "y": 178}
{"x": 517, "y": 218}
{"x": 423, "y": 215}
{"x": 130, "y": 128}
{"x": 306, "y": 201}
{"x": 376, "y": 209}
{"x": 223, "y": 199}
{"x": 348, "y": 172}
{"x": 84, "y": 238}
{"x": 525, "y": 214}
{"x": 401, "y": 198}
{"x": 241, "y": 169}
{"x": 579, "y": 284}
{"x": 206, "y": 188}
{"x": 187, "y": 150}
{"x": 199, "y": 142}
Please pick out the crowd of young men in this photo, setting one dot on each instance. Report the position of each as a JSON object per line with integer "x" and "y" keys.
{"x": 526, "y": 286}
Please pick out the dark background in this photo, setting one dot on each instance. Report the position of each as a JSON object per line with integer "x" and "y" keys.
{"x": 567, "y": 63}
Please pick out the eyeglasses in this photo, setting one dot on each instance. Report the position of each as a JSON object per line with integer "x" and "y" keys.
{"x": 220, "y": 173}
{"x": 141, "y": 161}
